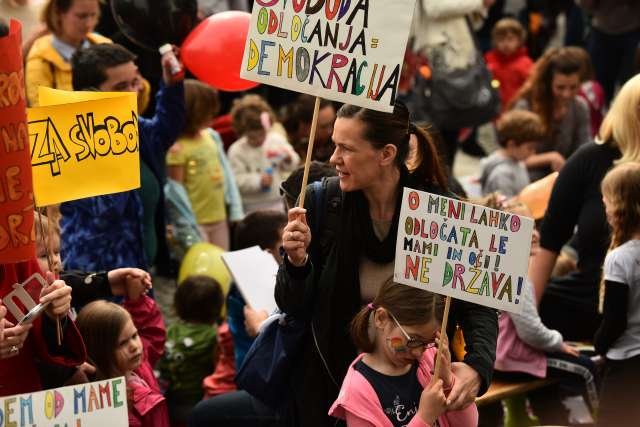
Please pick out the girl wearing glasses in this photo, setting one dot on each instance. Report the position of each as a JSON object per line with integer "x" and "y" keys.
{"x": 391, "y": 382}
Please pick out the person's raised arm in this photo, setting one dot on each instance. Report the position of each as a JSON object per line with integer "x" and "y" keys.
{"x": 168, "y": 122}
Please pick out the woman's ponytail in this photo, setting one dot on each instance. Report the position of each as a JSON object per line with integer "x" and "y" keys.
{"x": 427, "y": 162}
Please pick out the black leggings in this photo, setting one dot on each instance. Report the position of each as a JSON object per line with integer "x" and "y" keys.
{"x": 619, "y": 394}
{"x": 567, "y": 307}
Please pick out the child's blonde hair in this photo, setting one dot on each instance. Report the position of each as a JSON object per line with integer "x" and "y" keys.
{"x": 247, "y": 111}
{"x": 409, "y": 306}
{"x": 621, "y": 186}
{"x": 100, "y": 324}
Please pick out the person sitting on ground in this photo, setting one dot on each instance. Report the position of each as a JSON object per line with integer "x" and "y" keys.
{"x": 191, "y": 344}
{"x": 505, "y": 171}
{"x": 263, "y": 229}
{"x": 552, "y": 92}
{"x": 527, "y": 349}
{"x": 89, "y": 240}
{"x": 261, "y": 158}
{"x": 508, "y": 61}
{"x": 128, "y": 341}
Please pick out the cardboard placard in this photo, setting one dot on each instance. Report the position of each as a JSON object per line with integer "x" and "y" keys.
{"x": 17, "y": 240}
{"x": 254, "y": 272}
{"x": 97, "y": 404}
{"x": 462, "y": 250}
{"x": 349, "y": 51}
{"x": 83, "y": 144}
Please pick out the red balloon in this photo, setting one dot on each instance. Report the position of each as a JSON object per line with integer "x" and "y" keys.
{"x": 213, "y": 50}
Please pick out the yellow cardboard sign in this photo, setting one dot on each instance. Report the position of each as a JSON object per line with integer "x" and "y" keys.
{"x": 83, "y": 144}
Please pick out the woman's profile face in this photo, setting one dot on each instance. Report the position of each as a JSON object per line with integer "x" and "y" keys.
{"x": 80, "y": 20}
{"x": 565, "y": 87}
{"x": 355, "y": 159}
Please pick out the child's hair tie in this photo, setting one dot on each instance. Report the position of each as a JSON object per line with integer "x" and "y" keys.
{"x": 370, "y": 306}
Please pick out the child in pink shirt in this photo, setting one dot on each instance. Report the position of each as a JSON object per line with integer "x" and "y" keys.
{"x": 390, "y": 384}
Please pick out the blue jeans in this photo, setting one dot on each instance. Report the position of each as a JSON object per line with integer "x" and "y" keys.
{"x": 613, "y": 58}
{"x": 237, "y": 409}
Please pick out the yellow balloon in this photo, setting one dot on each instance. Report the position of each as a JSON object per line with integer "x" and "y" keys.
{"x": 204, "y": 259}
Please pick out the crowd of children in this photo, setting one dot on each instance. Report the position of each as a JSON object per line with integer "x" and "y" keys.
{"x": 234, "y": 190}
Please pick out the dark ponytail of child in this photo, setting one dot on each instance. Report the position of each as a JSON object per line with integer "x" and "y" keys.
{"x": 410, "y": 306}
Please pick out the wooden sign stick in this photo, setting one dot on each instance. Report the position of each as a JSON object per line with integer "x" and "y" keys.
{"x": 443, "y": 332}
{"x": 307, "y": 163}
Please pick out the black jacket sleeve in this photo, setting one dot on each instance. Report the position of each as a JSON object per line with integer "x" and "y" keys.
{"x": 480, "y": 328}
{"x": 86, "y": 287}
{"x": 614, "y": 319}
{"x": 564, "y": 205}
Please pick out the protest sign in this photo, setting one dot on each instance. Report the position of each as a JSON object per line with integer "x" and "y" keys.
{"x": 462, "y": 250}
{"x": 97, "y": 404}
{"x": 17, "y": 240}
{"x": 254, "y": 272}
{"x": 345, "y": 50}
{"x": 83, "y": 144}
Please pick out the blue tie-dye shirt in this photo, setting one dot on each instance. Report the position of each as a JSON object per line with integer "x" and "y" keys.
{"x": 105, "y": 232}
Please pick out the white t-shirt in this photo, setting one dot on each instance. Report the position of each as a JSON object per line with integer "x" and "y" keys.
{"x": 622, "y": 265}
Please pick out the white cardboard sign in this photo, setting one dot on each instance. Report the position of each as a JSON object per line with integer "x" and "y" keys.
{"x": 254, "y": 272}
{"x": 349, "y": 51}
{"x": 462, "y": 250}
{"x": 97, "y": 404}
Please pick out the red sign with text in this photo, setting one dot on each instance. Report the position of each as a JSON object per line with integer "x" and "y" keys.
{"x": 17, "y": 240}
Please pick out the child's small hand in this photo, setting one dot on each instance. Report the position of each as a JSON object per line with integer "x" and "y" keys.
{"x": 569, "y": 349}
{"x": 58, "y": 295}
{"x": 253, "y": 319}
{"x": 432, "y": 401}
{"x": 129, "y": 282}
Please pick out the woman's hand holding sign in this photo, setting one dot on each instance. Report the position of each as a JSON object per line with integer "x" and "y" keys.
{"x": 297, "y": 237}
{"x": 12, "y": 337}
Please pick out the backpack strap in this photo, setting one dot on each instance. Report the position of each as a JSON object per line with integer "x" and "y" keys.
{"x": 327, "y": 203}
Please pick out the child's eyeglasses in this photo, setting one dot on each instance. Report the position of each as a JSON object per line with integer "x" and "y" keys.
{"x": 413, "y": 343}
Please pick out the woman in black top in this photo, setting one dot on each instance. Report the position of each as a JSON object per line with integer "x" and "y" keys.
{"x": 570, "y": 303}
{"x": 327, "y": 277}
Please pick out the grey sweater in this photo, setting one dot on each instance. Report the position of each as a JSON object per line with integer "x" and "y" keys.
{"x": 503, "y": 174}
{"x": 530, "y": 328}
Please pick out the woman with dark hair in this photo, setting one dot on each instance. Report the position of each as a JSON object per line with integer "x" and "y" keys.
{"x": 551, "y": 91}
{"x": 328, "y": 276}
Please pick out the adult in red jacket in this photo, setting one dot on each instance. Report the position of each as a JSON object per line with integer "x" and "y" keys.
{"x": 21, "y": 347}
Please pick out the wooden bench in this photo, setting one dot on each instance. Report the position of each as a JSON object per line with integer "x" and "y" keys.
{"x": 502, "y": 389}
